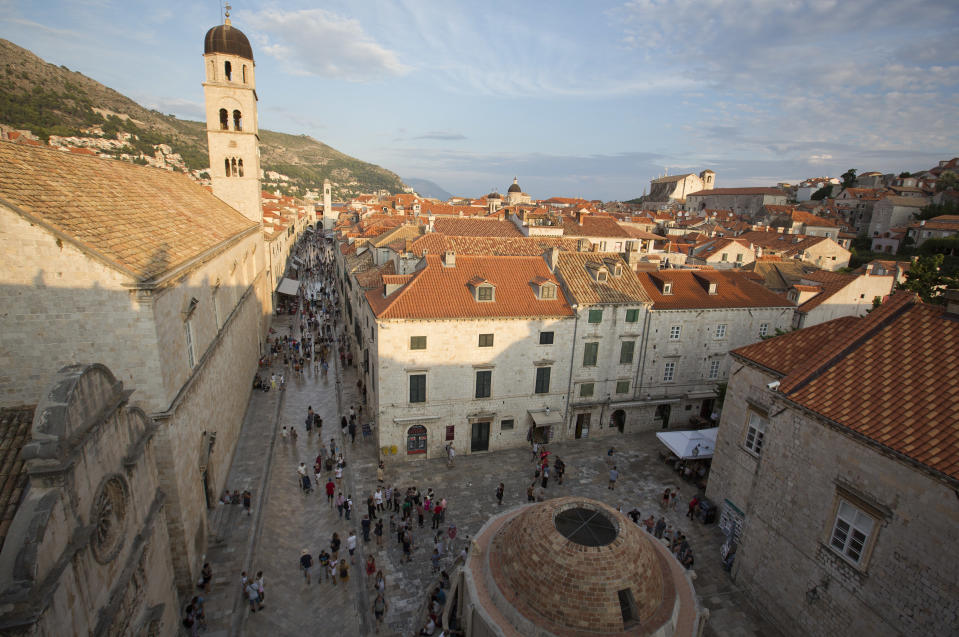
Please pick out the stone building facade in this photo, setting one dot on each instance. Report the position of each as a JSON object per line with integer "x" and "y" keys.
{"x": 835, "y": 470}
{"x": 87, "y": 551}
{"x": 669, "y": 189}
{"x": 469, "y": 350}
{"x": 696, "y": 318}
{"x": 744, "y": 201}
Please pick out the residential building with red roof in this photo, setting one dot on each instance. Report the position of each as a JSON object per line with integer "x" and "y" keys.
{"x": 722, "y": 253}
{"x": 696, "y": 317}
{"x": 820, "y": 252}
{"x": 467, "y": 350}
{"x": 611, "y": 307}
{"x": 939, "y": 227}
{"x": 837, "y": 458}
{"x": 822, "y": 296}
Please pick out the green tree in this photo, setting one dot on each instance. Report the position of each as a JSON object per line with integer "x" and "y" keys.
{"x": 822, "y": 193}
{"x": 905, "y": 174}
{"x": 849, "y": 178}
{"x": 947, "y": 181}
{"x": 927, "y": 279}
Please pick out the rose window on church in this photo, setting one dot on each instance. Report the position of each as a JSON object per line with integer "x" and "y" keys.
{"x": 108, "y": 519}
{"x": 587, "y": 527}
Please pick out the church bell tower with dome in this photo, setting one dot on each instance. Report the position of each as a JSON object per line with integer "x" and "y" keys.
{"x": 231, "y": 120}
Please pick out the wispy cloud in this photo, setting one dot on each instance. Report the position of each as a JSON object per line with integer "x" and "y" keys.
{"x": 322, "y": 43}
{"x": 442, "y": 136}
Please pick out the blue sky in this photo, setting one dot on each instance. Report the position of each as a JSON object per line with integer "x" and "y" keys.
{"x": 589, "y": 99}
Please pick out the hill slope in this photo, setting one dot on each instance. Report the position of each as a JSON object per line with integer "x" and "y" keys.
{"x": 53, "y": 100}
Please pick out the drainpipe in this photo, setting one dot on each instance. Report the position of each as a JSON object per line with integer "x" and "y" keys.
{"x": 572, "y": 360}
{"x": 642, "y": 357}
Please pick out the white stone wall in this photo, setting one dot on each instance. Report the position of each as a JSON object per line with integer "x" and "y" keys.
{"x": 451, "y": 361}
{"x": 853, "y": 300}
{"x": 694, "y": 352}
{"x": 827, "y": 255}
{"x": 58, "y": 306}
{"x": 887, "y": 215}
{"x": 610, "y": 335}
{"x": 906, "y": 584}
{"x": 744, "y": 204}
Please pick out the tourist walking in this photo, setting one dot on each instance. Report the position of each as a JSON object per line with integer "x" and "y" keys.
{"x": 499, "y": 493}
{"x": 306, "y": 563}
{"x": 613, "y": 477}
{"x": 379, "y": 610}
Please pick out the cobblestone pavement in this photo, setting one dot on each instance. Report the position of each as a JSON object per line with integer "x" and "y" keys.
{"x": 286, "y": 520}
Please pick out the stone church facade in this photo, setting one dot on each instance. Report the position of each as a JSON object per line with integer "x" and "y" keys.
{"x": 164, "y": 286}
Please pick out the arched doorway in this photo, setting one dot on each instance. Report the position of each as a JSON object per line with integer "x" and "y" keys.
{"x": 416, "y": 439}
{"x": 618, "y": 420}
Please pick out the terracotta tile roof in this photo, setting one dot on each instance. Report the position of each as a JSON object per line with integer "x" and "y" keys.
{"x": 593, "y": 226}
{"x": 739, "y": 191}
{"x": 690, "y": 290}
{"x": 777, "y": 274}
{"x": 781, "y": 243}
{"x": 474, "y": 227}
{"x": 372, "y": 278}
{"x": 400, "y": 233}
{"x": 712, "y": 246}
{"x": 636, "y": 233}
{"x": 439, "y": 292}
{"x": 907, "y": 202}
{"x": 143, "y": 220}
{"x": 438, "y": 243}
{"x": 573, "y": 269}
{"x": 15, "y": 426}
{"x": 891, "y": 376}
{"x": 942, "y": 222}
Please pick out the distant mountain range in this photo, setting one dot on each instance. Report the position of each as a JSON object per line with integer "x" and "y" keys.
{"x": 427, "y": 188}
{"x": 53, "y": 100}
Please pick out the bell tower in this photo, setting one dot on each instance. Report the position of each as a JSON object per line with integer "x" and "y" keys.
{"x": 329, "y": 216}
{"x": 231, "y": 121}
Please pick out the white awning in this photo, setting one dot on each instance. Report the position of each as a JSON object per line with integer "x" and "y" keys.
{"x": 543, "y": 419}
{"x": 309, "y": 228}
{"x": 690, "y": 445}
{"x": 288, "y": 286}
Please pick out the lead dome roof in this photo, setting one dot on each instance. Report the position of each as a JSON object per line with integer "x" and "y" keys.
{"x": 227, "y": 39}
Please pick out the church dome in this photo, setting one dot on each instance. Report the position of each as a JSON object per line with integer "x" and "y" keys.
{"x": 574, "y": 564}
{"x": 227, "y": 39}
{"x": 494, "y": 195}
{"x": 515, "y": 187}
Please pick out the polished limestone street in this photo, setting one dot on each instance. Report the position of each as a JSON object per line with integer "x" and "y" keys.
{"x": 285, "y": 520}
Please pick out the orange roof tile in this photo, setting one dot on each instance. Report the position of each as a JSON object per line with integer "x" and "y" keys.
{"x": 690, "y": 290}
{"x": 475, "y": 227}
{"x": 572, "y": 268}
{"x": 891, "y": 376}
{"x": 15, "y": 426}
{"x": 440, "y": 292}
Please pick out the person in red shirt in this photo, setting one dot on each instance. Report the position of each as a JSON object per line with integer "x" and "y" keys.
{"x": 330, "y": 488}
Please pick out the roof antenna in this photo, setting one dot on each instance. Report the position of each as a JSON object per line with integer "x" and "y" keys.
{"x": 226, "y": 20}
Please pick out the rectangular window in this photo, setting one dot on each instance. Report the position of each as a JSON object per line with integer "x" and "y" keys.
{"x": 417, "y": 342}
{"x": 590, "y": 352}
{"x": 486, "y": 340}
{"x": 674, "y": 332}
{"x": 417, "y": 388}
{"x": 545, "y": 338}
{"x": 485, "y": 293}
{"x": 632, "y": 316}
{"x": 542, "y": 380}
{"x": 755, "y": 433}
{"x": 851, "y": 532}
{"x": 506, "y": 424}
{"x": 622, "y": 387}
{"x": 668, "y": 372}
{"x": 595, "y": 316}
{"x": 721, "y": 330}
{"x": 190, "y": 351}
{"x": 586, "y": 390}
{"x": 484, "y": 381}
{"x": 763, "y": 329}
{"x": 739, "y": 258}
{"x": 725, "y": 257}
{"x": 626, "y": 352}
{"x": 714, "y": 369}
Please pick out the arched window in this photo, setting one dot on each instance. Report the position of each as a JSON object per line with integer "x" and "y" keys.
{"x": 228, "y": 70}
{"x": 224, "y": 119}
{"x": 416, "y": 439}
{"x": 237, "y": 121}
{"x": 226, "y": 167}
{"x": 233, "y": 165}
{"x": 239, "y": 165}
{"x": 212, "y": 70}
{"x": 244, "y": 73}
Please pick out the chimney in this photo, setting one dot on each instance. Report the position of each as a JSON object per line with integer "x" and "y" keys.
{"x": 552, "y": 258}
{"x": 429, "y": 221}
{"x": 952, "y": 302}
{"x": 449, "y": 259}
